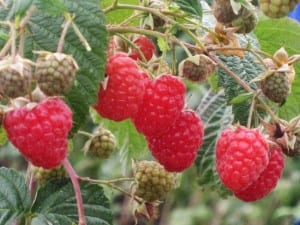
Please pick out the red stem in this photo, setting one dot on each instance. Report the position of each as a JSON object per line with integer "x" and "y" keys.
{"x": 74, "y": 178}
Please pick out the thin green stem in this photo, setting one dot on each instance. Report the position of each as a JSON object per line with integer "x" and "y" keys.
{"x": 87, "y": 134}
{"x": 110, "y": 183}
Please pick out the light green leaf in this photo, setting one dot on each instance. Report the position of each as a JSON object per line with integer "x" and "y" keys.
{"x": 3, "y": 136}
{"x": 273, "y": 34}
{"x": 163, "y": 45}
{"x": 14, "y": 195}
{"x": 216, "y": 115}
{"x": 60, "y": 207}
{"x": 191, "y": 7}
{"x": 53, "y": 7}
{"x": 241, "y": 98}
{"x": 117, "y": 16}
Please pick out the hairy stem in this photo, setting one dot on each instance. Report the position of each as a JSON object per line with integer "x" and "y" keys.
{"x": 110, "y": 183}
{"x": 61, "y": 41}
{"x": 74, "y": 178}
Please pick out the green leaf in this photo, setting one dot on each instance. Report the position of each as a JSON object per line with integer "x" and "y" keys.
{"x": 3, "y": 136}
{"x": 216, "y": 115}
{"x": 14, "y": 195}
{"x": 131, "y": 143}
{"x": 19, "y": 8}
{"x": 273, "y": 34}
{"x": 117, "y": 16}
{"x": 241, "y": 98}
{"x": 60, "y": 207}
{"x": 191, "y": 7}
{"x": 53, "y": 7}
{"x": 246, "y": 69}
{"x": 89, "y": 18}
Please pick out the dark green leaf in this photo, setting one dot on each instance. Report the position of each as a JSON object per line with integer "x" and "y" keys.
{"x": 246, "y": 69}
{"x": 14, "y": 195}
{"x": 273, "y": 34}
{"x": 89, "y": 18}
{"x": 60, "y": 207}
{"x": 53, "y": 7}
{"x": 191, "y": 7}
{"x": 19, "y": 8}
{"x": 216, "y": 115}
{"x": 241, "y": 98}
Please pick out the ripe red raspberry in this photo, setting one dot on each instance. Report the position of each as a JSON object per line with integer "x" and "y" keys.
{"x": 177, "y": 148}
{"x": 162, "y": 103}
{"x": 120, "y": 98}
{"x": 267, "y": 180}
{"x": 241, "y": 156}
{"x": 40, "y": 132}
{"x": 146, "y": 46}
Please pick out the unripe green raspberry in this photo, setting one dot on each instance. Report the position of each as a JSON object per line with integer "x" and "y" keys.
{"x": 277, "y": 8}
{"x": 197, "y": 68}
{"x": 42, "y": 175}
{"x": 102, "y": 144}
{"x": 15, "y": 76}
{"x": 55, "y": 72}
{"x": 276, "y": 86}
{"x": 152, "y": 181}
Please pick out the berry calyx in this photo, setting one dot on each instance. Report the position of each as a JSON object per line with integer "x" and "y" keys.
{"x": 176, "y": 149}
{"x": 146, "y": 46}
{"x": 242, "y": 154}
{"x": 267, "y": 180}
{"x": 55, "y": 72}
{"x": 162, "y": 103}
{"x": 40, "y": 131}
{"x": 152, "y": 181}
{"x": 102, "y": 144}
{"x": 122, "y": 92}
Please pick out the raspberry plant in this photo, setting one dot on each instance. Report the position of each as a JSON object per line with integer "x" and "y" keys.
{"x": 176, "y": 87}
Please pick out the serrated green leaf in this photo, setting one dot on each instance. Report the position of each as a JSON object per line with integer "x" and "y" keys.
{"x": 273, "y": 34}
{"x": 247, "y": 69}
{"x": 241, "y": 98}
{"x": 60, "y": 207}
{"x": 191, "y": 7}
{"x": 90, "y": 20}
{"x": 53, "y": 7}
{"x": 14, "y": 195}
{"x": 216, "y": 115}
{"x": 3, "y": 136}
{"x": 131, "y": 143}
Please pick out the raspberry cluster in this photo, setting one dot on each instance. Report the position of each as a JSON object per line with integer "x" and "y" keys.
{"x": 245, "y": 163}
{"x": 156, "y": 108}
